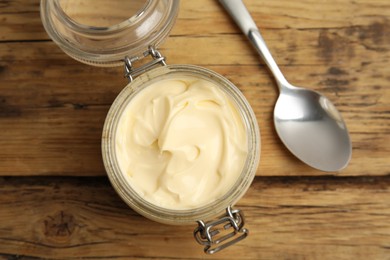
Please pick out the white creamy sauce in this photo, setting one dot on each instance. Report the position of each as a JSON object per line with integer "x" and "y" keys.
{"x": 181, "y": 143}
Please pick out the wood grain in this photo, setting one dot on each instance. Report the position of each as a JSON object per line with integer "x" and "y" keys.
{"x": 52, "y": 108}
{"x": 288, "y": 218}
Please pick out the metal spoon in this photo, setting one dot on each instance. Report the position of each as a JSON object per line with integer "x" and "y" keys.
{"x": 306, "y": 122}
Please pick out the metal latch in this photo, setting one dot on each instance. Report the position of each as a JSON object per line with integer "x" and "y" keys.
{"x": 221, "y": 233}
{"x": 131, "y": 72}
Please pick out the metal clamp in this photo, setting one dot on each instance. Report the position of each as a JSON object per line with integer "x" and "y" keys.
{"x": 131, "y": 72}
{"x": 206, "y": 233}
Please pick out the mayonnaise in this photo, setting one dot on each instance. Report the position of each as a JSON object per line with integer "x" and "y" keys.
{"x": 181, "y": 143}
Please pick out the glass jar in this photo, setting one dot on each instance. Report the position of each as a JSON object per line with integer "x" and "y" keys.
{"x": 110, "y": 34}
{"x": 118, "y": 40}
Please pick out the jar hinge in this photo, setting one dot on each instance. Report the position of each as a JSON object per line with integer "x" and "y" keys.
{"x": 205, "y": 233}
{"x": 131, "y": 72}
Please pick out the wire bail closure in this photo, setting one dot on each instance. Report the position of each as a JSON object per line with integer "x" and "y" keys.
{"x": 131, "y": 72}
{"x": 205, "y": 232}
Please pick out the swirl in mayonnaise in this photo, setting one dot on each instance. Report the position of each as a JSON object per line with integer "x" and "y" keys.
{"x": 181, "y": 143}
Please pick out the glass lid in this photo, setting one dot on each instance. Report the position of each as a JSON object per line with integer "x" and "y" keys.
{"x": 102, "y": 33}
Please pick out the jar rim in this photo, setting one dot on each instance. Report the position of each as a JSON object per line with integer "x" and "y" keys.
{"x": 108, "y": 46}
{"x": 83, "y": 28}
{"x": 172, "y": 216}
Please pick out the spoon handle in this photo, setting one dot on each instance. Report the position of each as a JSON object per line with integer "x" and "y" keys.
{"x": 243, "y": 19}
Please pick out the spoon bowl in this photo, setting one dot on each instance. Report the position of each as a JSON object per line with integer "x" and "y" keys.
{"x": 307, "y": 122}
{"x": 312, "y": 129}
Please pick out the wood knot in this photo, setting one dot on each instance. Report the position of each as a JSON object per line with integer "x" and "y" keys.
{"x": 61, "y": 225}
{"x": 333, "y": 47}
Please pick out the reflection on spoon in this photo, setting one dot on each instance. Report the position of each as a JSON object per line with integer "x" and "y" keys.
{"x": 311, "y": 128}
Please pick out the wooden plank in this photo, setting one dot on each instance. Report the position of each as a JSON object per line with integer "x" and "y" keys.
{"x": 53, "y": 108}
{"x": 208, "y": 17}
{"x": 288, "y": 218}
{"x": 20, "y": 20}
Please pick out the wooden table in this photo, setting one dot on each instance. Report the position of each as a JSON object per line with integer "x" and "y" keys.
{"x": 55, "y": 198}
